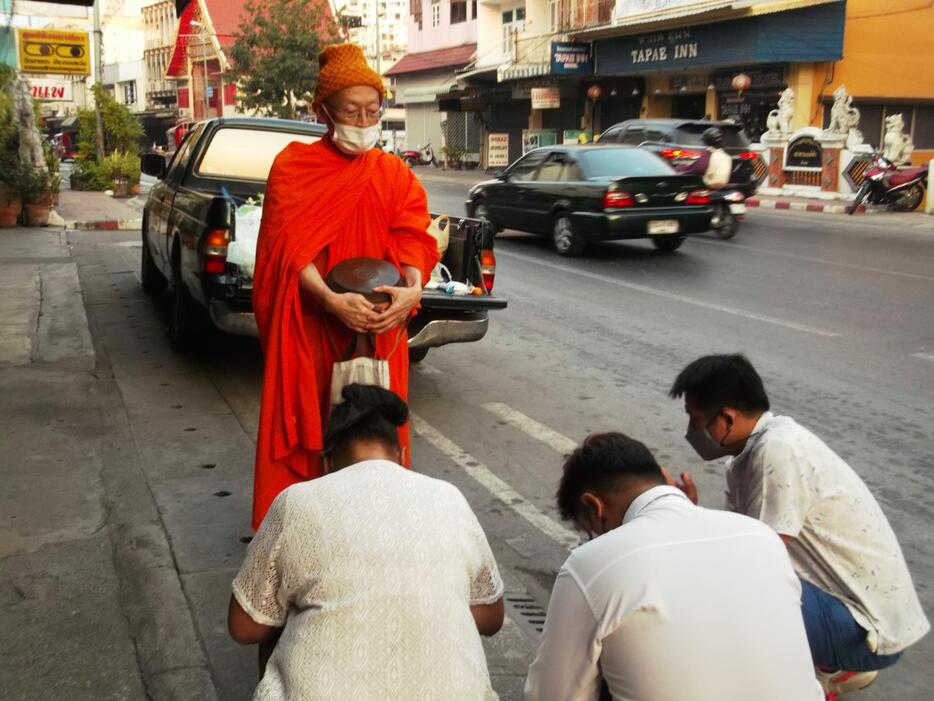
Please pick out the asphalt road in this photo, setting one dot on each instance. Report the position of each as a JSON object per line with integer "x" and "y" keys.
{"x": 836, "y": 313}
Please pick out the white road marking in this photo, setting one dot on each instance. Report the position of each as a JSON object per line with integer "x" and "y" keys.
{"x": 496, "y": 486}
{"x": 559, "y": 442}
{"x": 671, "y": 295}
{"x": 924, "y": 356}
{"x": 822, "y": 261}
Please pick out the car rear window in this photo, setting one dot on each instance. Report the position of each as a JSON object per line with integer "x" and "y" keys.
{"x": 611, "y": 162}
{"x": 245, "y": 154}
{"x": 690, "y": 135}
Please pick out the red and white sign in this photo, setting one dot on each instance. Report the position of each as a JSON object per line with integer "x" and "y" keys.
{"x": 546, "y": 98}
{"x": 51, "y": 89}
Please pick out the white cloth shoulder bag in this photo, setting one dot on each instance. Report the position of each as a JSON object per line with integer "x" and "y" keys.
{"x": 362, "y": 370}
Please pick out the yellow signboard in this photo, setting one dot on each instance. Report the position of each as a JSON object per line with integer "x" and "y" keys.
{"x": 51, "y": 51}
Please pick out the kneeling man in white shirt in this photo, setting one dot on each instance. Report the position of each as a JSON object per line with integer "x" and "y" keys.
{"x": 668, "y": 601}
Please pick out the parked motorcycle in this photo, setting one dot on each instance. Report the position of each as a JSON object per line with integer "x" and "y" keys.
{"x": 884, "y": 183}
{"x": 729, "y": 209}
{"x": 423, "y": 156}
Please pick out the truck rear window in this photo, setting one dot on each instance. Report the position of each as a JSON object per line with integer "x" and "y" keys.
{"x": 245, "y": 154}
{"x": 690, "y": 135}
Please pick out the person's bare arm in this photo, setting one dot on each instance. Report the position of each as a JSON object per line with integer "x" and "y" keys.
{"x": 404, "y": 300}
{"x": 353, "y": 310}
{"x": 244, "y": 629}
{"x": 489, "y": 617}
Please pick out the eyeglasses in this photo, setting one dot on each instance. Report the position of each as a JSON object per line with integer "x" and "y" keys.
{"x": 355, "y": 116}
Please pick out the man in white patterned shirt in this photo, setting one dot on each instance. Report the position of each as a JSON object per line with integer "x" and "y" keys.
{"x": 859, "y": 604}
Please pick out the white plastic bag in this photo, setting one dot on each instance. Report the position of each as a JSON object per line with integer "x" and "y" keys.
{"x": 242, "y": 250}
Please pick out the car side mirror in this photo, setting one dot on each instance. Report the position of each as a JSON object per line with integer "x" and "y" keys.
{"x": 153, "y": 164}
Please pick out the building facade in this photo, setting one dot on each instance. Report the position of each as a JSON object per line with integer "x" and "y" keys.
{"x": 379, "y": 27}
{"x": 159, "y": 22}
{"x": 442, "y": 39}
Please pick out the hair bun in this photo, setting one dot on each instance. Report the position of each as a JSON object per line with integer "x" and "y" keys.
{"x": 370, "y": 400}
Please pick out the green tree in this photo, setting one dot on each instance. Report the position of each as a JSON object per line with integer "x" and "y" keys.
{"x": 122, "y": 140}
{"x": 275, "y": 54}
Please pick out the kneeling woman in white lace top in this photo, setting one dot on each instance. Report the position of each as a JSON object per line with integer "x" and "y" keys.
{"x": 381, "y": 577}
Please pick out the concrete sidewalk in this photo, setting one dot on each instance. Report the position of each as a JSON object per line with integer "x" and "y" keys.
{"x": 87, "y": 210}
{"x": 90, "y": 602}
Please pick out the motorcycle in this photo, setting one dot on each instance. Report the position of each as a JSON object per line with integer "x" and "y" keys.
{"x": 423, "y": 156}
{"x": 729, "y": 209}
{"x": 729, "y": 206}
{"x": 884, "y": 183}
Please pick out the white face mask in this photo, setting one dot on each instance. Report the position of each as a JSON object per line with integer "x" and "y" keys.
{"x": 354, "y": 140}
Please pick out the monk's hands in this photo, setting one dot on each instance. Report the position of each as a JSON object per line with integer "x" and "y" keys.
{"x": 403, "y": 301}
{"x": 354, "y": 311}
{"x": 686, "y": 484}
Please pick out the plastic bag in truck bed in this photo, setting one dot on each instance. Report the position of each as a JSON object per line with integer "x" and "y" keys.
{"x": 242, "y": 250}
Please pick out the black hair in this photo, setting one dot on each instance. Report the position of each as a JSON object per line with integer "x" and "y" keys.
{"x": 368, "y": 413}
{"x": 716, "y": 381}
{"x": 602, "y": 463}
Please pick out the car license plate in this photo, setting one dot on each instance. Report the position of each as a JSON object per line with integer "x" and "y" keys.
{"x": 738, "y": 209}
{"x": 664, "y": 226}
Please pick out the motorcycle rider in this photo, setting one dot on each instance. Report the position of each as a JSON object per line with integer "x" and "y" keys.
{"x": 719, "y": 164}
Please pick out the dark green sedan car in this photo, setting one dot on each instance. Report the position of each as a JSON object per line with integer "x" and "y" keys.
{"x": 578, "y": 194}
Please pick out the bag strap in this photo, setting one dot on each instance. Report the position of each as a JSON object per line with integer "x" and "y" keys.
{"x": 348, "y": 354}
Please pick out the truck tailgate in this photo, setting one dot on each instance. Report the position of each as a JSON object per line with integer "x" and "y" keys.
{"x": 436, "y": 300}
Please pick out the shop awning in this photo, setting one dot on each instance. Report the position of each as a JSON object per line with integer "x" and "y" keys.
{"x": 485, "y": 72}
{"x": 516, "y": 71}
{"x": 424, "y": 93}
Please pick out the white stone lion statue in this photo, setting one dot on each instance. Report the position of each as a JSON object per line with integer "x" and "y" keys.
{"x": 844, "y": 118}
{"x": 779, "y": 120}
{"x": 896, "y": 145}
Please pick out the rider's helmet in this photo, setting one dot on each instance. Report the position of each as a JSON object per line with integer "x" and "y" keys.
{"x": 712, "y": 137}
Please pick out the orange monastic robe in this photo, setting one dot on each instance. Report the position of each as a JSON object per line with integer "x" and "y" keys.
{"x": 323, "y": 207}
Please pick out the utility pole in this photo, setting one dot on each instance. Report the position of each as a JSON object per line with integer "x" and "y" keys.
{"x": 99, "y": 70}
{"x": 204, "y": 55}
{"x": 379, "y": 49}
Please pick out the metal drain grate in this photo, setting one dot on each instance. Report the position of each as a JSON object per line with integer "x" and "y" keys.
{"x": 522, "y": 609}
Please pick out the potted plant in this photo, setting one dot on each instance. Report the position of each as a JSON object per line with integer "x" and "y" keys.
{"x": 11, "y": 202}
{"x": 37, "y": 197}
{"x": 123, "y": 168}
{"x": 454, "y": 155}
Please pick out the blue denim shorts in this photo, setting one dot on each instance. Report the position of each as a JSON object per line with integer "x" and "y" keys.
{"x": 837, "y": 641}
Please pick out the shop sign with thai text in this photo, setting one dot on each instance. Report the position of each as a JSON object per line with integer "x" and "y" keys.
{"x": 570, "y": 59}
{"x": 50, "y": 89}
{"x": 804, "y": 153}
{"x": 497, "y": 154}
{"x": 546, "y": 98}
{"x": 48, "y": 51}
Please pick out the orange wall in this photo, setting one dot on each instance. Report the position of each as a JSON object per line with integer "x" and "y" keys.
{"x": 888, "y": 49}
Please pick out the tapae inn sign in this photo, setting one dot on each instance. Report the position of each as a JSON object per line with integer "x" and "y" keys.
{"x": 662, "y": 46}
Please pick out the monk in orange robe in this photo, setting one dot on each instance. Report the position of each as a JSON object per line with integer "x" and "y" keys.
{"x": 335, "y": 199}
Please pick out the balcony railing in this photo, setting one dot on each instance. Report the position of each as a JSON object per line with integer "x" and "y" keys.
{"x": 571, "y": 15}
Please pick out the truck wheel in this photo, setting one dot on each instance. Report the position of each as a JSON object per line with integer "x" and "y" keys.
{"x": 668, "y": 243}
{"x": 565, "y": 237}
{"x": 152, "y": 280}
{"x": 417, "y": 355}
{"x": 182, "y": 323}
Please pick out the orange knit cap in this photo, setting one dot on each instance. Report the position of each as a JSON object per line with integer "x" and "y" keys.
{"x": 343, "y": 66}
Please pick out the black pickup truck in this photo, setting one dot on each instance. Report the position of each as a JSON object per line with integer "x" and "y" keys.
{"x": 190, "y": 221}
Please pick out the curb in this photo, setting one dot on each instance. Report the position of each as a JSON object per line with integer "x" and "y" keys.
{"x": 816, "y": 207}
{"x": 106, "y": 225}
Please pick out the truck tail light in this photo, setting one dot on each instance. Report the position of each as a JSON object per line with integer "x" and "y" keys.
{"x": 488, "y": 268}
{"x": 676, "y": 154}
{"x": 214, "y": 253}
{"x": 612, "y": 199}
{"x": 699, "y": 197}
